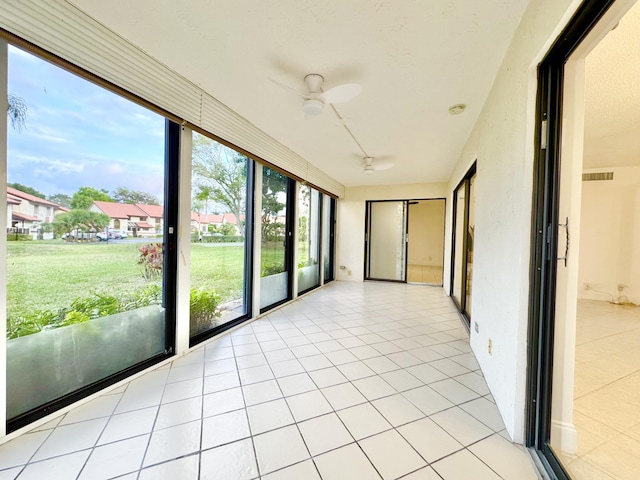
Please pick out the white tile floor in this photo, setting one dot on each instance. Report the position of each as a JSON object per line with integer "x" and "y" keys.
{"x": 354, "y": 381}
{"x": 607, "y": 392}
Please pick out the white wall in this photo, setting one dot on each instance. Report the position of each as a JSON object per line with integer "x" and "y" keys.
{"x": 350, "y": 224}
{"x": 502, "y": 142}
{"x": 609, "y": 235}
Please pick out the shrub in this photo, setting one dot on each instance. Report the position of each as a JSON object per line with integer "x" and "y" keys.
{"x": 18, "y": 237}
{"x": 204, "y": 309}
{"x": 151, "y": 260}
{"x": 221, "y": 238}
{"x": 83, "y": 309}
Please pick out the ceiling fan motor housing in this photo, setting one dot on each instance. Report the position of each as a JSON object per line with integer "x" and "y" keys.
{"x": 312, "y": 107}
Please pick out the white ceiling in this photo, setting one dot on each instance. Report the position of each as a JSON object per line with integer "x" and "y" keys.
{"x": 413, "y": 58}
{"x": 612, "y": 92}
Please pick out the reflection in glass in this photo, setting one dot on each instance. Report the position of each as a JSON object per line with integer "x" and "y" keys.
{"x": 458, "y": 246}
{"x": 308, "y": 238}
{"x": 274, "y": 276}
{"x": 470, "y": 237}
{"x": 84, "y": 298}
{"x": 387, "y": 240}
{"x": 218, "y": 195}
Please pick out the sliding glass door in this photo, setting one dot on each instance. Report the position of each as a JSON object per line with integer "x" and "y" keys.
{"x": 463, "y": 240}
{"x": 309, "y": 215}
{"x": 92, "y": 221}
{"x": 220, "y": 237}
{"x": 276, "y": 238}
{"x": 328, "y": 234}
{"x": 386, "y": 240}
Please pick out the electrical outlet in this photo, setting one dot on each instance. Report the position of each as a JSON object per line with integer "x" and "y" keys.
{"x": 490, "y": 347}
{"x": 586, "y": 286}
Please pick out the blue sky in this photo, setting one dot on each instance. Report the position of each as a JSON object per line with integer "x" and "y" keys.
{"x": 78, "y": 134}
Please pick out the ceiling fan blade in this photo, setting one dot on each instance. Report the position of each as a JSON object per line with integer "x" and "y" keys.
{"x": 379, "y": 166}
{"x": 290, "y": 89}
{"x": 341, "y": 93}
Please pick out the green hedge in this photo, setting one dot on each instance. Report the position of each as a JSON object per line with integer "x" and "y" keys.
{"x": 221, "y": 239}
{"x": 18, "y": 237}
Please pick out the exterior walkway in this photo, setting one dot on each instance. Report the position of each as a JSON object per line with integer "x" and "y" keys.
{"x": 354, "y": 381}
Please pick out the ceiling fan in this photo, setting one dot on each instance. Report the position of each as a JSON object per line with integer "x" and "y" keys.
{"x": 315, "y": 99}
{"x": 370, "y": 165}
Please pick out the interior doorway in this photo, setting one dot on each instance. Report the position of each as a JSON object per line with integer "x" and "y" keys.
{"x": 404, "y": 240}
{"x": 585, "y": 320}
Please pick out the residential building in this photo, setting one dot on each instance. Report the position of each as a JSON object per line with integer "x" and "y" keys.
{"x": 136, "y": 219}
{"x": 28, "y": 212}
{"x": 502, "y": 109}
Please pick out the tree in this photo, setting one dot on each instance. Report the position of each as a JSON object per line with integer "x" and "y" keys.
{"x": 79, "y": 220}
{"x": 124, "y": 195}
{"x": 85, "y": 196}
{"x": 17, "y": 112}
{"x": 203, "y": 194}
{"x": 274, "y": 188}
{"x": 25, "y": 189}
{"x": 221, "y": 172}
{"x": 61, "y": 199}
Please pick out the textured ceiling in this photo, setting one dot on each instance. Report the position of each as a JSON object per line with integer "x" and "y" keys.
{"x": 413, "y": 58}
{"x": 612, "y": 91}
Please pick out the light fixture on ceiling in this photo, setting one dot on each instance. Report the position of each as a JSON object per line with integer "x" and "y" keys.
{"x": 457, "y": 109}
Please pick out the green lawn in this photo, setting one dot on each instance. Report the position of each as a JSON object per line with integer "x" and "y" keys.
{"x": 51, "y": 274}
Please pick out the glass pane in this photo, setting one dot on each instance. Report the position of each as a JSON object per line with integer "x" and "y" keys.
{"x": 327, "y": 233}
{"x": 274, "y": 276}
{"x": 387, "y": 240}
{"x": 459, "y": 242}
{"x": 218, "y": 195}
{"x": 308, "y": 238}
{"x": 85, "y": 264}
{"x": 470, "y": 237}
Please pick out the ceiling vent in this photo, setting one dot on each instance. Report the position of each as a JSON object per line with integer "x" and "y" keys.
{"x": 592, "y": 177}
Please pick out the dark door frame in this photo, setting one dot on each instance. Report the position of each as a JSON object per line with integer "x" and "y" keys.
{"x": 544, "y": 231}
{"x": 461, "y": 303}
{"x": 367, "y": 240}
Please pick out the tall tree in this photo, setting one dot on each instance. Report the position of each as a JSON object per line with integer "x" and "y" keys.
{"x": 224, "y": 171}
{"x": 85, "y": 196}
{"x": 61, "y": 199}
{"x": 124, "y": 195}
{"x": 17, "y": 112}
{"x": 26, "y": 189}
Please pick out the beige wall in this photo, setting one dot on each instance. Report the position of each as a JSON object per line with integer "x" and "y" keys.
{"x": 350, "y": 223}
{"x": 426, "y": 233}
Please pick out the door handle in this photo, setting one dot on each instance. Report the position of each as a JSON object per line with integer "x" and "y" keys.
{"x": 565, "y": 225}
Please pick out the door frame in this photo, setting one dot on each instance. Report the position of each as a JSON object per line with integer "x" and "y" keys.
{"x": 367, "y": 240}
{"x": 544, "y": 231}
{"x": 461, "y": 303}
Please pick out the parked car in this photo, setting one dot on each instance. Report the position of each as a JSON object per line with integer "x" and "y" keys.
{"x": 102, "y": 237}
{"x": 118, "y": 234}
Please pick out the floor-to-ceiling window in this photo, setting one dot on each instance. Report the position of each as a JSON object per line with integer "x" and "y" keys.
{"x": 86, "y": 300}
{"x": 463, "y": 240}
{"x": 276, "y": 238}
{"x": 328, "y": 235}
{"x": 221, "y": 239}
{"x": 309, "y": 213}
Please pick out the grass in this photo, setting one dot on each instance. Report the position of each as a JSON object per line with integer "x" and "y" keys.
{"x": 51, "y": 274}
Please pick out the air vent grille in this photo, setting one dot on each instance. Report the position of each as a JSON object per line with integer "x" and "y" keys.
{"x": 592, "y": 177}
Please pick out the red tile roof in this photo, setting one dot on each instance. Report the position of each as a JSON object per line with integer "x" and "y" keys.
{"x": 119, "y": 210}
{"x": 13, "y": 199}
{"x": 155, "y": 211}
{"x": 142, "y": 224}
{"x": 23, "y": 217}
{"x": 30, "y": 198}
